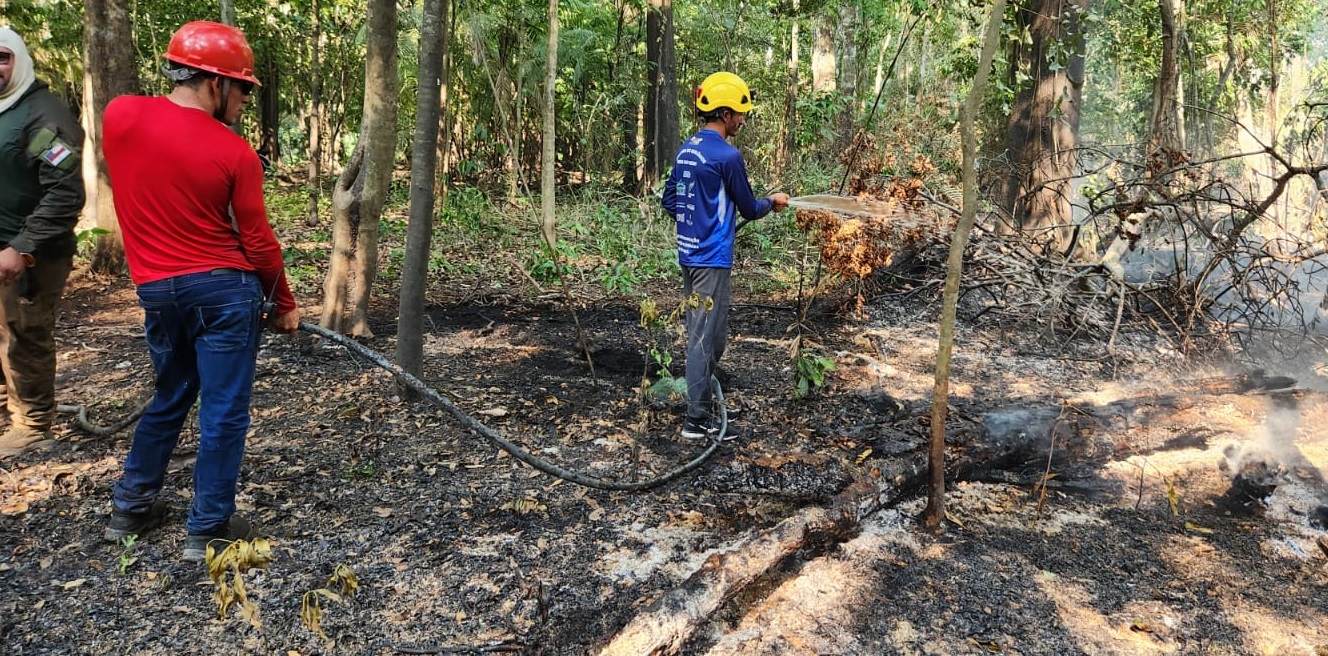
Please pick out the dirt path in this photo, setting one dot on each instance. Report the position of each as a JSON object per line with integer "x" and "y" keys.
{"x": 457, "y": 545}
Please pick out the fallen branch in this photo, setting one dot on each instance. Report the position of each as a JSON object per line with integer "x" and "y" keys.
{"x": 670, "y": 622}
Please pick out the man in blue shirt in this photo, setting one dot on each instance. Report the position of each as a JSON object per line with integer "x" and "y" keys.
{"x": 707, "y": 187}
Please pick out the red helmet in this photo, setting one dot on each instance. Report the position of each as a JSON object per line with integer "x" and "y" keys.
{"x": 213, "y": 47}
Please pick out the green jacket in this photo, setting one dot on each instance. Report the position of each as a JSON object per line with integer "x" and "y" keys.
{"x": 41, "y": 177}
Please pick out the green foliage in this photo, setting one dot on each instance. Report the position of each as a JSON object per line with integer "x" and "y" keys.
{"x": 811, "y": 369}
{"x": 87, "y": 238}
{"x": 365, "y": 469}
{"x": 127, "y": 557}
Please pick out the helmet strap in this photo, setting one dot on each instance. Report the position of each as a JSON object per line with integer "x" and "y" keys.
{"x": 225, "y": 89}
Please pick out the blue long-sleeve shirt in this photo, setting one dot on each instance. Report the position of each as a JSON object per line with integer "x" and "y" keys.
{"x": 707, "y": 187}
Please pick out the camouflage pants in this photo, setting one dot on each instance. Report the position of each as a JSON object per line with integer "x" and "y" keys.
{"x": 28, "y": 309}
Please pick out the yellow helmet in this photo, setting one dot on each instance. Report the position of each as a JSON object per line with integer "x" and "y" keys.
{"x": 724, "y": 90}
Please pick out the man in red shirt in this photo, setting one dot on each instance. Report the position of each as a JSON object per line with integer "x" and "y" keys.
{"x": 189, "y": 196}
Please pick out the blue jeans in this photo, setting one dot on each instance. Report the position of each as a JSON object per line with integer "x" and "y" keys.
{"x": 202, "y": 332}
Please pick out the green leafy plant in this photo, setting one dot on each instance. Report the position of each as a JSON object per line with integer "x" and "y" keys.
{"x": 365, "y": 469}
{"x": 811, "y": 370}
{"x": 127, "y": 557}
{"x": 86, "y": 240}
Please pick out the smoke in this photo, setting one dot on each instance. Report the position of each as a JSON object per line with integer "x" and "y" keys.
{"x": 1258, "y": 466}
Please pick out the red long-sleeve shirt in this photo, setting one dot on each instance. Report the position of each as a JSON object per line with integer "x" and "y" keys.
{"x": 188, "y": 195}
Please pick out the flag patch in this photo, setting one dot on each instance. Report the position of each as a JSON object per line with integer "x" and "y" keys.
{"x": 57, "y": 153}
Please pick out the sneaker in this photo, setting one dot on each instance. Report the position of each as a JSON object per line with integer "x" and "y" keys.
{"x": 21, "y": 439}
{"x": 696, "y": 428}
{"x": 236, "y": 528}
{"x": 124, "y": 524}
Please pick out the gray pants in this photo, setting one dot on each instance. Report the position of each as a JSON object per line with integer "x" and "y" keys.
{"x": 706, "y": 299}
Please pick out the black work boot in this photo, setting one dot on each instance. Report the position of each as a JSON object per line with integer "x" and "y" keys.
{"x": 236, "y": 528}
{"x": 124, "y": 524}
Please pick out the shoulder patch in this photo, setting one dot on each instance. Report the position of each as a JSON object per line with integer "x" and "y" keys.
{"x": 47, "y": 146}
{"x": 58, "y": 154}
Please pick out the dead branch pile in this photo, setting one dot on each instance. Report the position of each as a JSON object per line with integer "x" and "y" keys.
{"x": 856, "y": 246}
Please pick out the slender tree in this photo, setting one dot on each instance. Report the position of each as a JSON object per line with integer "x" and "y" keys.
{"x": 548, "y": 158}
{"x": 940, "y": 398}
{"x": 314, "y": 120}
{"x": 423, "y": 162}
{"x": 789, "y": 143}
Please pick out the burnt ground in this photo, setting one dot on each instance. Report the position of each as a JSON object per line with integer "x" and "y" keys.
{"x": 1138, "y": 543}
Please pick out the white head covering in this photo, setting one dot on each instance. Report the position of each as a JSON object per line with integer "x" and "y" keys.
{"x": 23, "y": 75}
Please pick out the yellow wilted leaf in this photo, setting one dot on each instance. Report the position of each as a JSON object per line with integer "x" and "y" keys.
{"x": 1173, "y": 498}
{"x": 862, "y": 456}
{"x": 346, "y": 578}
{"x": 311, "y": 614}
{"x": 649, "y": 312}
{"x": 227, "y": 567}
{"x": 1191, "y": 526}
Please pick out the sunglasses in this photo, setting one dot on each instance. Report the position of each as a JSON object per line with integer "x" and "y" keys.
{"x": 246, "y": 87}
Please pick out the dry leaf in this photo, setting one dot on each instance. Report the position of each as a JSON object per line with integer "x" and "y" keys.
{"x": 494, "y": 412}
{"x": 14, "y": 508}
{"x": 866, "y": 453}
{"x": 73, "y": 584}
{"x": 383, "y": 512}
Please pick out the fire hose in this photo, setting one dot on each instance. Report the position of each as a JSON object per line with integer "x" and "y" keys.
{"x": 438, "y": 400}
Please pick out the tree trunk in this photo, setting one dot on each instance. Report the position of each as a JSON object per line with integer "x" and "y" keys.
{"x": 548, "y": 159}
{"x": 444, "y": 75}
{"x": 628, "y": 111}
{"x": 362, "y": 188}
{"x": 345, "y": 225}
{"x": 270, "y": 118}
{"x": 315, "y": 118}
{"x": 849, "y": 17}
{"x": 785, "y": 159}
{"x": 380, "y": 128}
{"x": 661, "y": 113}
{"x": 823, "y": 54}
{"x": 226, "y": 14}
{"x": 1043, "y": 128}
{"x": 423, "y": 162}
{"x": 1167, "y": 120}
{"x": 109, "y": 70}
{"x": 940, "y": 398}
